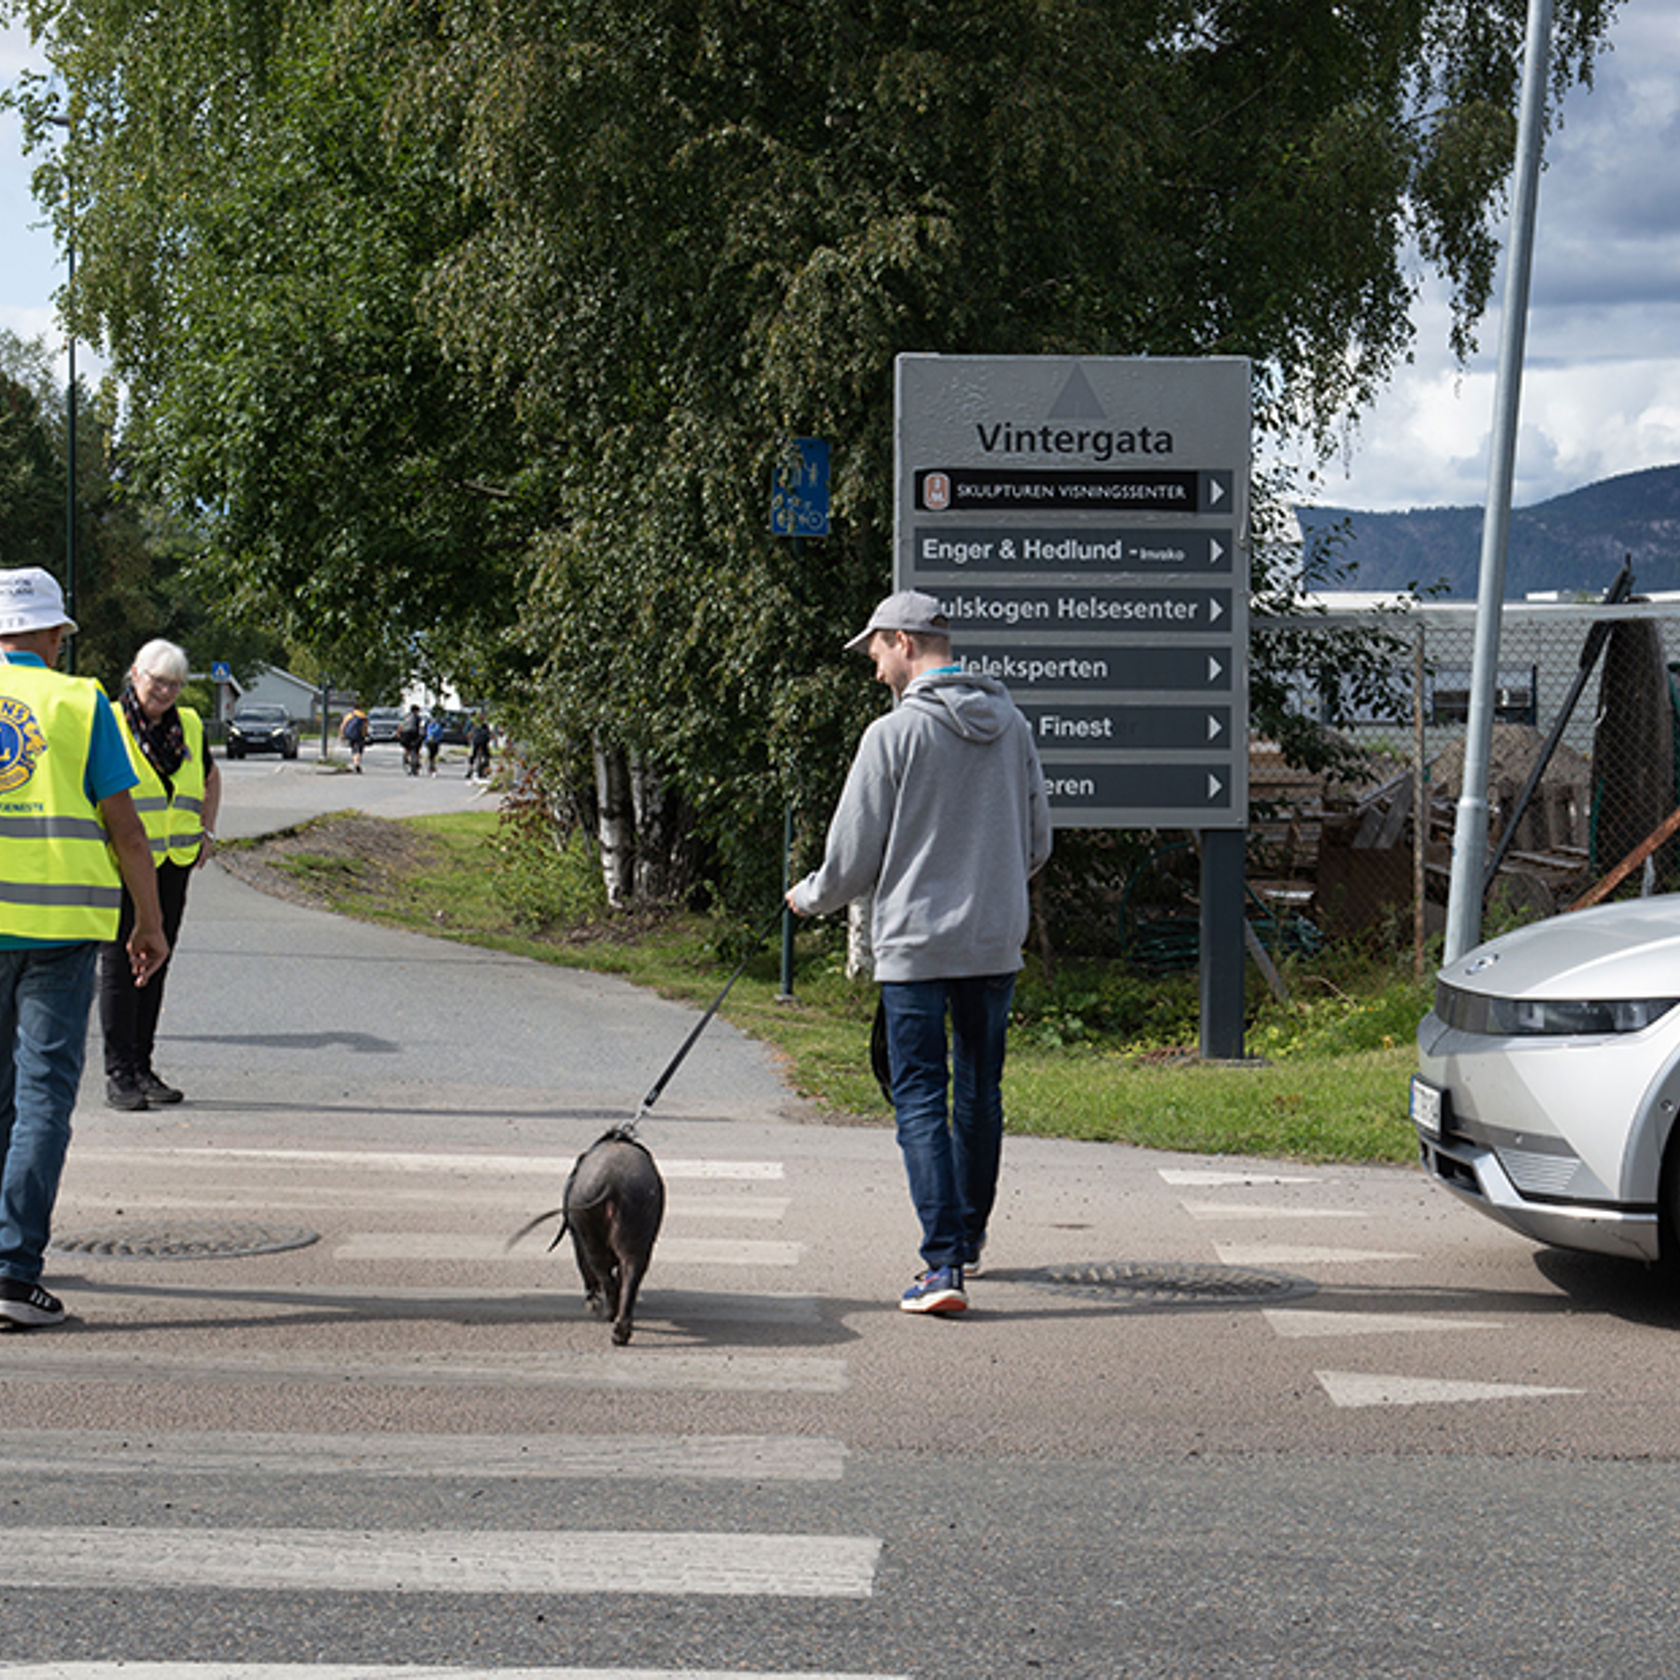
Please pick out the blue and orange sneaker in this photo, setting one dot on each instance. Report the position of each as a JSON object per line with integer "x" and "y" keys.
{"x": 938, "y": 1291}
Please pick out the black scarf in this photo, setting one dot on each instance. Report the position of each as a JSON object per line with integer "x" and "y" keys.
{"x": 162, "y": 741}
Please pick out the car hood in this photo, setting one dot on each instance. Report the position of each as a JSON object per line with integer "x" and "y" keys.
{"x": 1615, "y": 951}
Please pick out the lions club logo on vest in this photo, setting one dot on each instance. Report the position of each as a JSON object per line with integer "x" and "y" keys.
{"x": 21, "y": 744}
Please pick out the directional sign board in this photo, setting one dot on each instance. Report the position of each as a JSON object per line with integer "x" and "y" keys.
{"x": 1084, "y": 523}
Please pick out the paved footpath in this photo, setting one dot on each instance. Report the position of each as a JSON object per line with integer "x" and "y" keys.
{"x": 320, "y": 1420}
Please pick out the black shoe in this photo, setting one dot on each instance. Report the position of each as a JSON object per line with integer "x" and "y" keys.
{"x": 29, "y": 1303}
{"x": 123, "y": 1091}
{"x": 155, "y": 1091}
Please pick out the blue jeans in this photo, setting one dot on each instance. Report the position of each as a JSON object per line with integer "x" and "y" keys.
{"x": 45, "y": 996}
{"x": 951, "y": 1155}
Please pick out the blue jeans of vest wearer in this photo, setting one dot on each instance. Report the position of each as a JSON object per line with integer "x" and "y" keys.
{"x": 951, "y": 1150}
{"x": 45, "y": 996}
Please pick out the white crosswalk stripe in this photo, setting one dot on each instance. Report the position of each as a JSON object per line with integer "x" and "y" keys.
{"x": 475, "y": 1245}
{"x": 525, "y": 1168}
{"x": 370, "y": 1671}
{"x": 216, "y": 1452}
{"x": 652, "y": 1368}
{"x": 338, "y": 1560}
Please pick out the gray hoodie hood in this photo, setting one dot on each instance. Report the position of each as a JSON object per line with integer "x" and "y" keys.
{"x": 977, "y": 708}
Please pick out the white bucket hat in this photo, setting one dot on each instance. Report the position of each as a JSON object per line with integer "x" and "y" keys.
{"x": 30, "y": 599}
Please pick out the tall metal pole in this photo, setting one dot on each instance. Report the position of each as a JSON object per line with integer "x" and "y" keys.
{"x": 70, "y": 466}
{"x": 1464, "y": 900}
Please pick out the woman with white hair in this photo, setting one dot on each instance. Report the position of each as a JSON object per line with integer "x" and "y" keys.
{"x": 178, "y": 797}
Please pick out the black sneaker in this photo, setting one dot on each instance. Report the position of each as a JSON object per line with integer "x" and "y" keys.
{"x": 29, "y": 1303}
{"x": 155, "y": 1091}
{"x": 123, "y": 1091}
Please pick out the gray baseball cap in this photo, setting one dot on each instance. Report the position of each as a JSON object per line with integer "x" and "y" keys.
{"x": 30, "y": 599}
{"x": 908, "y": 610}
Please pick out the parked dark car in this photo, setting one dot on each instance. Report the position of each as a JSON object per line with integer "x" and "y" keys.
{"x": 260, "y": 729}
{"x": 383, "y": 721}
{"x": 457, "y": 727}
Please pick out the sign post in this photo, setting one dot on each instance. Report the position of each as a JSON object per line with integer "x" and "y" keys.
{"x": 1084, "y": 523}
{"x": 798, "y": 508}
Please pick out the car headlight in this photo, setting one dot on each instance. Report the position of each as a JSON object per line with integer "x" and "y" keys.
{"x": 1497, "y": 1017}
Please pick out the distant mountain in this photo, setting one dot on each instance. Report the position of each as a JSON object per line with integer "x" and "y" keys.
{"x": 1575, "y": 542}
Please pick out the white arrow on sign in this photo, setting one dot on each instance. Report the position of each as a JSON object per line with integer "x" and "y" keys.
{"x": 1216, "y": 726}
{"x": 1215, "y": 669}
{"x": 1216, "y": 493}
{"x": 1215, "y": 612}
{"x": 1216, "y": 551}
{"x": 1215, "y": 786}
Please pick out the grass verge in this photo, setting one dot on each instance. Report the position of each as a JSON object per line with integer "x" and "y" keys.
{"x": 1094, "y": 1054}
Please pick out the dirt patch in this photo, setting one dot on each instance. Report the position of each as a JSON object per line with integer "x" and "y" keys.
{"x": 353, "y": 864}
{"x": 317, "y": 862}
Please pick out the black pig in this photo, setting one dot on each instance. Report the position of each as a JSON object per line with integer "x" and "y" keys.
{"x": 613, "y": 1205}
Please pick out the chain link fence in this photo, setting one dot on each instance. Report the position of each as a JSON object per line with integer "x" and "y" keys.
{"x": 1583, "y": 794}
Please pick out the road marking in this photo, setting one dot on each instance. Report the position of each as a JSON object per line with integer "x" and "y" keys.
{"x": 246, "y": 1197}
{"x": 649, "y": 1368}
{"x": 766, "y": 1210}
{"x": 1249, "y": 1210}
{"x": 1210, "y": 1178}
{"x": 1307, "y": 1321}
{"x": 371, "y": 1671}
{"x": 542, "y": 1561}
{"x": 1357, "y": 1388}
{"x": 777, "y": 1458}
{"x": 476, "y": 1245}
{"x": 657, "y": 1305}
{"x": 1280, "y": 1254}
{"x": 521, "y": 1166}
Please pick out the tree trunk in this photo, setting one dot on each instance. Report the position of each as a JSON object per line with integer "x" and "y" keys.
{"x": 860, "y": 948}
{"x": 656, "y": 838}
{"x": 617, "y": 823}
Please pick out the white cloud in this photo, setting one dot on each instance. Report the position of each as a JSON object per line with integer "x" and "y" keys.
{"x": 1601, "y": 387}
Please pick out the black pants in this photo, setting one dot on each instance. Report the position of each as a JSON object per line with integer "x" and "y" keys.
{"x": 128, "y": 1014}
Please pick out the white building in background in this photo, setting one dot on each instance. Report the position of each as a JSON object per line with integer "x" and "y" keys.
{"x": 275, "y": 687}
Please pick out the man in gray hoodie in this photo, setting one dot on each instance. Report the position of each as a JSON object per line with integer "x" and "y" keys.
{"x": 943, "y": 817}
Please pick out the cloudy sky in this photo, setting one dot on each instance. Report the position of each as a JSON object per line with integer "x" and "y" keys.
{"x": 1601, "y": 393}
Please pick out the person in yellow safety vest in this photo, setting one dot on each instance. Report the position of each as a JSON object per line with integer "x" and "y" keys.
{"x": 178, "y": 795}
{"x": 73, "y": 844}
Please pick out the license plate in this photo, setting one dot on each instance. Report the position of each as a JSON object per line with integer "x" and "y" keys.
{"x": 1429, "y": 1106}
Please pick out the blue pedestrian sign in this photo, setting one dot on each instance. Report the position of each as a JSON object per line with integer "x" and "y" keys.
{"x": 799, "y": 489}
{"x": 220, "y": 671}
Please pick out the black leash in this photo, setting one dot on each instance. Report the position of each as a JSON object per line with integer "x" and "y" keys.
{"x": 700, "y": 1026}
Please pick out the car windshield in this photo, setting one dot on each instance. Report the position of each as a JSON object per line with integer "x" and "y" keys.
{"x": 260, "y": 714}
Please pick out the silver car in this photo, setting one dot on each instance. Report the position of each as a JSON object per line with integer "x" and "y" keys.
{"x": 1548, "y": 1078}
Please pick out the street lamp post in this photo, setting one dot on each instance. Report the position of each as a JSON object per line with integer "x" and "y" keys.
{"x": 63, "y": 121}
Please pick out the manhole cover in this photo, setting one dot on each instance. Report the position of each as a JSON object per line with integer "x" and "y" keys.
{"x": 142, "y": 1241}
{"x": 1142, "y": 1283}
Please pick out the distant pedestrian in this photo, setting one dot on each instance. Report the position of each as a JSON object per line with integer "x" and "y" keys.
{"x": 434, "y": 740}
{"x": 478, "y": 752}
{"x": 178, "y": 796}
{"x": 74, "y": 843}
{"x": 409, "y": 734}
{"x": 944, "y": 818}
{"x": 354, "y": 731}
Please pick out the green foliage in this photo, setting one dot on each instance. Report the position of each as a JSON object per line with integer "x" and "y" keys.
{"x": 466, "y": 335}
{"x": 252, "y": 255}
{"x": 540, "y": 879}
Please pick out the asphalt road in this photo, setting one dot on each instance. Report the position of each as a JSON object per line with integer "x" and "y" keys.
{"x": 1207, "y": 1418}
